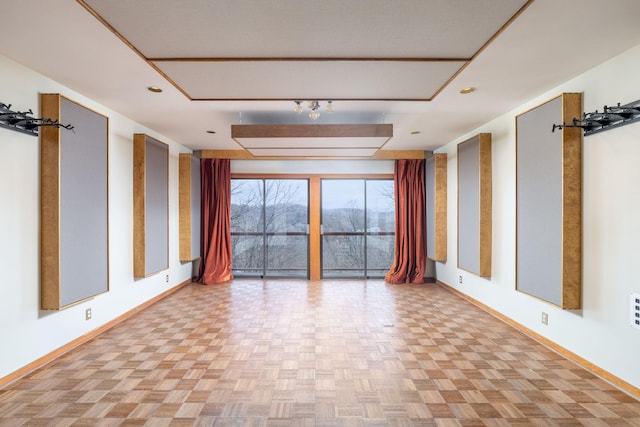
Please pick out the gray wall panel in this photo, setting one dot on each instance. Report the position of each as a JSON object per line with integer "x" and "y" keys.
{"x": 469, "y": 205}
{"x": 84, "y": 269}
{"x": 539, "y": 202}
{"x": 156, "y": 207}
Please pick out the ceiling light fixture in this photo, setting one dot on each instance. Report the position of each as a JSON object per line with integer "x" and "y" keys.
{"x": 154, "y": 89}
{"x": 329, "y": 106}
{"x": 314, "y": 106}
{"x": 467, "y": 90}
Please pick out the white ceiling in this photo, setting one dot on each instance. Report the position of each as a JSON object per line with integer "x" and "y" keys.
{"x": 401, "y": 62}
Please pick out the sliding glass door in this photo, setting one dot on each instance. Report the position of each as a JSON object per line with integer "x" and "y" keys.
{"x": 358, "y": 227}
{"x": 269, "y": 227}
{"x": 381, "y": 226}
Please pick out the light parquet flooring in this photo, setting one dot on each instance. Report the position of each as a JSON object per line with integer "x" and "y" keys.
{"x": 299, "y": 353}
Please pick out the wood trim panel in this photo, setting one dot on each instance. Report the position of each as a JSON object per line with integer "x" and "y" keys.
{"x": 398, "y": 155}
{"x": 226, "y": 154}
{"x": 315, "y": 244}
{"x": 50, "y": 204}
{"x": 312, "y": 131}
{"x": 596, "y": 370}
{"x": 485, "y": 204}
{"x": 571, "y": 203}
{"x": 50, "y": 357}
{"x": 245, "y": 155}
{"x": 440, "y": 207}
{"x": 139, "y": 220}
{"x": 184, "y": 206}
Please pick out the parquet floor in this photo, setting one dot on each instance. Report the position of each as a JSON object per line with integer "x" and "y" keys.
{"x": 298, "y": 353}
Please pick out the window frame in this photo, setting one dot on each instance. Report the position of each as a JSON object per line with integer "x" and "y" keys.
{"x": 315, "y": 254}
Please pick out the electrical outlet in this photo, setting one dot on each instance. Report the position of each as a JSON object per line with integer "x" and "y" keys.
{"x": 545, "y": 318}
{"x": 87, "y": 314}
{"x": 167, "y": 278}
{"x": 460, "y": 278}
{"x": 635, "y": 310}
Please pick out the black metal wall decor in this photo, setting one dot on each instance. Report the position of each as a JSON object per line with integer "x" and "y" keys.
{"x": 609, "y": 118}
{"x": 22, "y": 121}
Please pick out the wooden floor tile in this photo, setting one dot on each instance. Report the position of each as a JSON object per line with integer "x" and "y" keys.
{"x": 321, "y": 353}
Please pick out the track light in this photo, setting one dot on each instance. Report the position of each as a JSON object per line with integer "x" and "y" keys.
{"x": 314, "y": 106}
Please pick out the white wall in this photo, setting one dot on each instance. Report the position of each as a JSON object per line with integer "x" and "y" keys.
{"x": 26, "y": 332}
{"x": 601, "y": 331}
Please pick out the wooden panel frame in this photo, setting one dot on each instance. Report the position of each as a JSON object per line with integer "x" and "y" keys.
{"x": 439, "y": 209}
{"x": 184, "y": 206}
{"x": 189, "y": 207}
{"x": 55, "y": 279}
{"x": 187, "y": 216}
{"x": 483, "y": 207}
{"x": 570, "y": 205}
{"x": 141, "y": 222}
{"x": 315, "y": 229}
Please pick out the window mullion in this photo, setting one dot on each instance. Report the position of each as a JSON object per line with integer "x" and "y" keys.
{"x": 264, "y": 228}
{"x": 366, "y": 269}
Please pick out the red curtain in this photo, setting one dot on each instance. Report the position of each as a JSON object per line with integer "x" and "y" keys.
{"x": 409, "y": 262}
{"x": 216, "y": 221}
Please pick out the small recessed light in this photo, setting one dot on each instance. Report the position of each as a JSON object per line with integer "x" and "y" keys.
{"x": 415, "y": 132}
{"x": 211, "y": 131}
{"x": 154, "y": 89}
{"x": 467, "y": 90}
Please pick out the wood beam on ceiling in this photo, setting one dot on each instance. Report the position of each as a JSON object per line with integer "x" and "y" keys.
{"x": 245, "y": 155}
{"x": 312, "y": 131}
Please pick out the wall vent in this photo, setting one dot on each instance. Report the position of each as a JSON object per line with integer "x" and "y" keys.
{"x": 635, "y": 310}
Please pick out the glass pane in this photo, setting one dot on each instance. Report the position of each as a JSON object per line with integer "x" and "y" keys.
{"x": 379, "y": 255}
{"x": 246, "y": 205}
{"x": 380, "y": 206}
{"x": 343, "y": 205}
{"x": 264, "y": 214}
{"x": 248, "y": 255}
{"x": 287, "y": 255}
{"x": 343, "y": 256}
{"x": 286, "y": 205}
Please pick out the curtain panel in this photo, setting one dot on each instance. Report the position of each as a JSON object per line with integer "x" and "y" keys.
{"x": 216, "y": 221}
{"x": 409, "y": 262}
